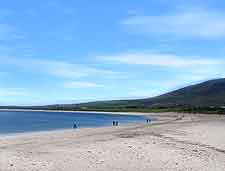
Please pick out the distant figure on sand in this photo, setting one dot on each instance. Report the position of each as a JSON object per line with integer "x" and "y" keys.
{"x": 115, "y": 123}
{"x": 74, "y": 126}
{"x": 148, "y": 120}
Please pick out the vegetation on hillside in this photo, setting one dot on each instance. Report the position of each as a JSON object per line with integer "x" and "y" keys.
{"x": 206, "y": 97}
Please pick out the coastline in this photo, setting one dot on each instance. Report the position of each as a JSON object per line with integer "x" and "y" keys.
{"x": 95, "y": 112}
{"x": 182, "y": 143}
{"x": 30, "y": 133}
{"x": 160, "y": 120}
{"x": 98, "y": 112}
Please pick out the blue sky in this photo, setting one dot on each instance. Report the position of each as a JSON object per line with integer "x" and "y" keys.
{"x": 57, "y": 51}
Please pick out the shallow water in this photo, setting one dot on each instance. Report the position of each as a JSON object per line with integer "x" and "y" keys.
{"x": 27, "y": 121}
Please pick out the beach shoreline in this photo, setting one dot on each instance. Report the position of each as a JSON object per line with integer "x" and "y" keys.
{"x": 95, "y": 112}
{"x": 187, "y": 142}
{"x": 31, "y": 133}
{"x": 71, "y": 111}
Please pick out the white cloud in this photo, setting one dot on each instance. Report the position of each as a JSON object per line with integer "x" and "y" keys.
{"x": 143, "y": 93}
{"x": 13, "y": 92}
{"x": 162, "y": 60}
{"x": 70, "y": 70}
{"x": 77, "y": 84}
{"x": 4, "y": 48}
{"x": 199, "y": 23}
{"x": 57, "y": 68}
{"x": 8, "y": 33}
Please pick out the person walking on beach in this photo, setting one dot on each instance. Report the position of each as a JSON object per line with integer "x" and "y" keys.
{"x": 148, "y": 120}
{"x": 74, "y": 126}
{"x": 115, "y": 123}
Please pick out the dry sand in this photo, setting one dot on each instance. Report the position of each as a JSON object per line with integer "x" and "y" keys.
{"x": 191, "y": 143}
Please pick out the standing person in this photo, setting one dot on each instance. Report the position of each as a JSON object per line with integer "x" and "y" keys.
{"x": 74, "y": 126}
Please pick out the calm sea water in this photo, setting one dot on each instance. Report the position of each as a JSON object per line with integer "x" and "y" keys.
{"x": 20, "y": 122}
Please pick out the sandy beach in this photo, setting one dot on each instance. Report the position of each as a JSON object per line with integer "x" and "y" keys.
{"x": 192, "y": 142}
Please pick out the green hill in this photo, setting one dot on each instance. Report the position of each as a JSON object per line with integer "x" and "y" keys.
{"x": 203, "y": 97}
{"x": 209, "y": 93}
{"x": 207, "y": 97}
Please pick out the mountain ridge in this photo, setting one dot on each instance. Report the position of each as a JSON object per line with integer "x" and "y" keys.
{"x": 207, "y": 94}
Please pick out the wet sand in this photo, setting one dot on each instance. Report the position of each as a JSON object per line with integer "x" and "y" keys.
{"x": 192, "y": 142}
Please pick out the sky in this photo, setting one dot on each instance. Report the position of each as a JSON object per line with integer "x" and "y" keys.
{"x": 65, "y": 51}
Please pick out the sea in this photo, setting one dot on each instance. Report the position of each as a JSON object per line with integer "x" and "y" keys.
{"x": 12, "y": 122}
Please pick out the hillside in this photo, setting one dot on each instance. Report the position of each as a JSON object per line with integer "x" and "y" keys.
{"x": 209, "y": 93}
{"x": 200, "y": 97}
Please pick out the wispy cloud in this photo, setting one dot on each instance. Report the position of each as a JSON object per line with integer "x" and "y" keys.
{"x": 187, "y": 23}
{"x": 9, "y": 33}
{"x": 13, "y": 92}
{"x": 162, "y": 60}
{"x": 137, "y": 93}
{"x": 78, "y": 85}
{"x": 57, "y": 68}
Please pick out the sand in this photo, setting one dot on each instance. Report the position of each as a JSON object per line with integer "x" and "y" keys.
{"x": 191, "y": 143}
